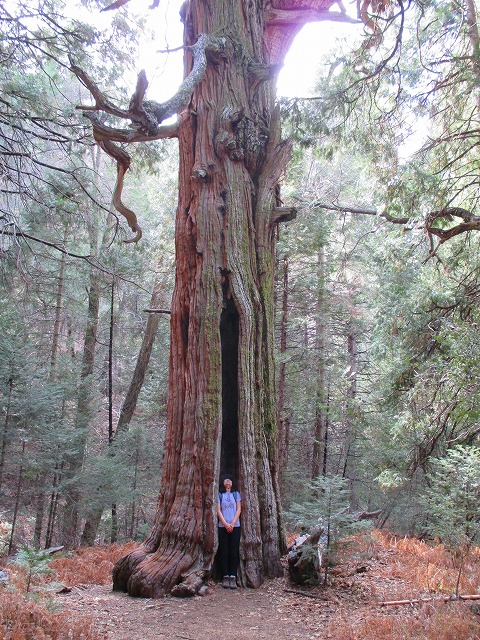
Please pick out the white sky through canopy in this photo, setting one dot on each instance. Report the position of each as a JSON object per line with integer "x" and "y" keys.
{"x": 296, "y": 79}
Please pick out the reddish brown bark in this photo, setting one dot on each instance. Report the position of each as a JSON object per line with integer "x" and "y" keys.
{"x": 231, "y": 159}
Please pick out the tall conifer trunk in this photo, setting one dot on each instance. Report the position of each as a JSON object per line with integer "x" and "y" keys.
{"x": 221, "y": 399}
{"x": 319, "y": 436}
{"x": 283, "y": 418}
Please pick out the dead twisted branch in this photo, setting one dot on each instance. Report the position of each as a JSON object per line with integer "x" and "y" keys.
{"x": 145, "y": 116}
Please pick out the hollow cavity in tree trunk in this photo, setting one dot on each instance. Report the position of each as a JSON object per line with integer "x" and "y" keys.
{"x": 229, "y": 332}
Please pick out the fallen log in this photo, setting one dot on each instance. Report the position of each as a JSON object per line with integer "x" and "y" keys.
{"x": 53, "y": 550}
{"x": 368, "y": 515}
{"x": 452, "y": 598}
{"x": 306, "y": 563}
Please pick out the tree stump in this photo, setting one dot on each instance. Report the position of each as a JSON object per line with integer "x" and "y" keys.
{"x": 305, "y": 558}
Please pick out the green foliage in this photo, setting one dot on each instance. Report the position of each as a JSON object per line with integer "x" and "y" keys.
{"x": 329, "y": 289}
{"x": 34, "y": 563}
{"x": 57, "y": 188}
{"x": 405, "y": 96}
{"x": 424, "y": 349}
{"x": 452, "y": 500}
{"x": 416, "y": 321}
{"x": 326, "y": 514}
{"x": 326, "y": 503}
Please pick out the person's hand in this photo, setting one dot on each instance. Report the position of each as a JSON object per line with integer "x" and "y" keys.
{"x": 229, "y": 528}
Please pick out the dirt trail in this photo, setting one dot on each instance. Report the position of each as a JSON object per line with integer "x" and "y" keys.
{"x": 242, "y": 614}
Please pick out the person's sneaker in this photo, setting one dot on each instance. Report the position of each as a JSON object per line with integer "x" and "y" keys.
{"x": 233, "y": 582}
{"x": 226, "y": 582}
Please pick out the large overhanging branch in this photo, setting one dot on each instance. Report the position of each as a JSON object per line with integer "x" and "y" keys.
{"x": 299, "y": 12}
{"x": 469, "y": 222}
{"x": 302, "y": 16}
{"x": 145, "y": 117}
{"x": 359, "y": 210}
{"x": 285, "y": 18}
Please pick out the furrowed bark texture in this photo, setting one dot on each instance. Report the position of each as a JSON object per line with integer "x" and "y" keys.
{"x": 231, "y": 159}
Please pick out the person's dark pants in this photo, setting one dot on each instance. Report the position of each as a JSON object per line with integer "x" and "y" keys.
{"x": 228, "y": 550}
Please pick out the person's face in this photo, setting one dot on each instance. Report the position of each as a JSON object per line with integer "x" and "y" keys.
{"x": 227, "y": 484}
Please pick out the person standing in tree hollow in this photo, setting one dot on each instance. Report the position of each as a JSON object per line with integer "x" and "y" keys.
{"x": 228, "y": 509}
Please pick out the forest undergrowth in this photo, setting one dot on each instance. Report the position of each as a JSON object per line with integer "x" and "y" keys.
{"x": 414, "y": 569}
{"x": 368, "y": 570}
{"x": 35, "y": 615}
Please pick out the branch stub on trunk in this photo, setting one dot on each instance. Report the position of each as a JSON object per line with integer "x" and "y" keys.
{"x": 283, "y": 214}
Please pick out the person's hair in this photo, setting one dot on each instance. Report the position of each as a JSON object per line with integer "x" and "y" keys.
{"x": 224, "y": 477}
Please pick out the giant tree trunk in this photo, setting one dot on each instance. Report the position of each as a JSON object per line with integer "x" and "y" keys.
{"x": 221, "y": 399}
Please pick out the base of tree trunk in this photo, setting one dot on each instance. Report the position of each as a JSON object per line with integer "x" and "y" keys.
{"x": 145, "y": 574}
{"x": 153, "y": 575}
{"x": 124, "y": 568}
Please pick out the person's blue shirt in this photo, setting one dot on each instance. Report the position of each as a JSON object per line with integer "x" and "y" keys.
{"x": 228, "y": 505}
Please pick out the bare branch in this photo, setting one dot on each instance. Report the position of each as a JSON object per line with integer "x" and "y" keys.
{"x": 123, "y": 164}
{"x": 283, "y": 214}
{"x": 452, "y": 598}
{"x": 180, "y": 99}
{"x": 470, "y": 223}
{"x": 105, "y": 132}
{"x": 146, "y": 115}
{"x": 448, "y": 214}
{"x": 180, "y": 48}
{"x": 102, "y": 103}
{"x": 366, "y": 212}
{"x": 18, "y": 233}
